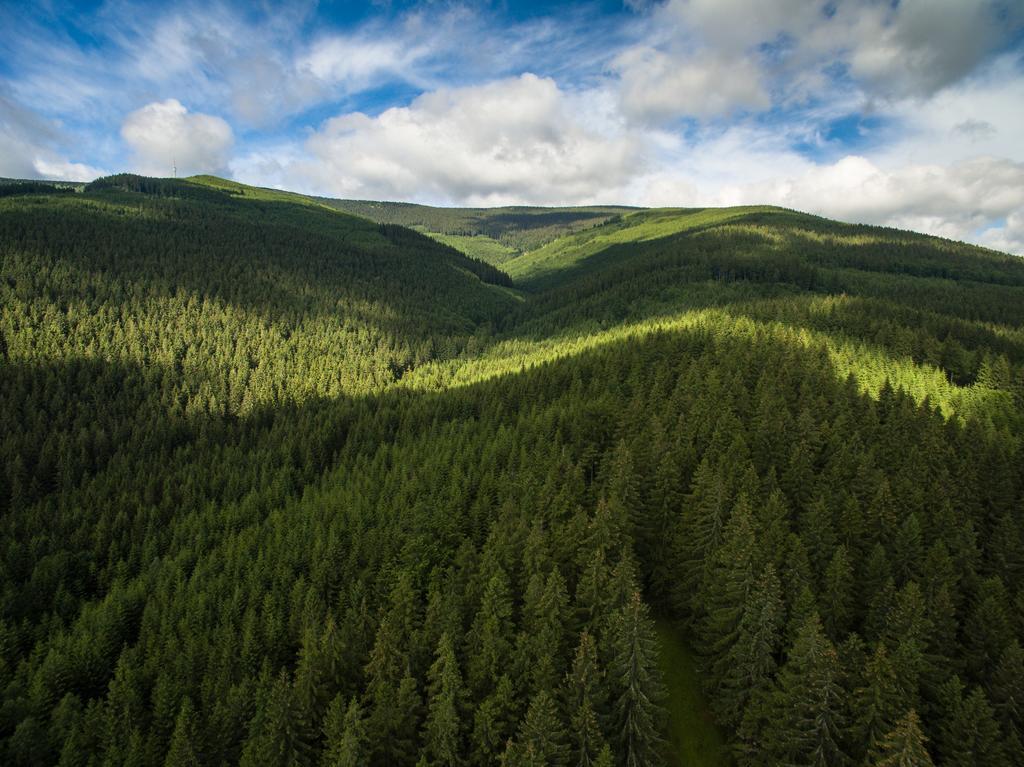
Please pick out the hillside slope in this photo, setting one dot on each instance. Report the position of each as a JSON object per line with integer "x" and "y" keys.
{"x": 286, "y": 486}
{"x": 492, "y": 234}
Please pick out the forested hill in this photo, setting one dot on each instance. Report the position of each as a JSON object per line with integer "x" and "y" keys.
{"x": 285, "y": 486}
{"x": 495, "y": 235}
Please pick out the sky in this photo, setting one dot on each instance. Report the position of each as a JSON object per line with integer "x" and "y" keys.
{"x": 906, "y": 113}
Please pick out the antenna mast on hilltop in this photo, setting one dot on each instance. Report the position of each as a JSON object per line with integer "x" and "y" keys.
{"x": 174, "y": 164}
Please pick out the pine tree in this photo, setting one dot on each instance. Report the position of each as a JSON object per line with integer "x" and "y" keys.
{"x": 494, "y": 723}
{"x": 442, "y": 734}
{"x": 583, "y": 700}
{"x": 490, "y": 652}
{"x": 1006, "y": 690}
{"x": 748, "y": 668}
{"x": 541, "y": 739}
{"x": 636, "y": 685}
{"x": 877, "y": 704}
{"x": 731, "y": 577}
{"x": 904, "y": 746}
{"x": 277, "y": 737}
{"x": 967, "y": 732}
{"x": 185, "y": 749}
{"x": 704, "y": 515}
{"x": 809, "y": 727}
{"x": 545, "y": 614}
{"x": 837, "y": 594}
{"x": 345, "y": 739}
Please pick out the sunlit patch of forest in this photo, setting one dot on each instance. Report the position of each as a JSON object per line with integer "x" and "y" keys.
{"x": 285, "y": 485}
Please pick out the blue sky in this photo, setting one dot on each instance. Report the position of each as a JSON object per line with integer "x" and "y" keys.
{"x": 903, "y": 113}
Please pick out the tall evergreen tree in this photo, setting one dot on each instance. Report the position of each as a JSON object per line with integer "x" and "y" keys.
{"x": 185, "y": 749}
{"x": 904, "y": 746}
{"x": 636, "y": 685}
{"x": 442, "y": 734}
{"x": 584, "y": 685}
{"x": 809, "y": 703}
{"x": 541, "y": 738}
{"x": 345, "y": 737}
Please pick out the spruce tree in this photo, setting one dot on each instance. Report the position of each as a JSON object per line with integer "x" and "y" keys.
{"x": 809, "y": 727}
{"x": 345, "y": 744}
{"x": 904, "y": 746}
{"x": 184, "y": 749}
{"x": 541, "y": 739}
{"x": 749, "y": 666}
{"x": 442, "y": 732}
{"x": 636, "y": 686}
{"x": 877, "y": 704}
{"x": 967, "y": 732}
{"x": 494, "y": 723}
{"x": 583, "y": 692}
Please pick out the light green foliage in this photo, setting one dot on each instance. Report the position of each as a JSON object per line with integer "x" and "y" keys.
{"x": 628, "y": 229}
{"x": 478, "y": 246}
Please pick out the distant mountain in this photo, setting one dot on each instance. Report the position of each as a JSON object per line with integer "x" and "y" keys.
{"x": 288, "y": 480}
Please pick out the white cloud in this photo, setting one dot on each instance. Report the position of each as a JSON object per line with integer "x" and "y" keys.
{"x": 509, "y": 140}
{"x": 27, "y": 147}
{"x": 732, "y": 26}
{"x": 60, "y": 169}
{"x": 165, "y": 133}
{"x": 1008, "y": 237}
{"x": 351, "y": 60}
{"x": 951, "y": 200}
{"x": 920, "y": 46}
{"x": 711, "y": 58}
{"x": 657, "y": 86}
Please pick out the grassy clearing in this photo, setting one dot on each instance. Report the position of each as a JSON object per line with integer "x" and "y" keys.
{"x": 693, "y": 738}
{"x": 478, "y": 246}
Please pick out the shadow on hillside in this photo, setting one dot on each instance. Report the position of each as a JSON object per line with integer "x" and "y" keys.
{"x": 283, "y": 263}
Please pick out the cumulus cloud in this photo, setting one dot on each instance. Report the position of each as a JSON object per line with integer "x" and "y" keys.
{"x": 165, "y": 133}
{"x": 506, "y": 141}
{"x": 657, "y": 86}
{"x": 712, "y": 58}
{"x": 1008, "y": 237}
{"x": 917, "y": 47}
{"x": 731, "y": 26}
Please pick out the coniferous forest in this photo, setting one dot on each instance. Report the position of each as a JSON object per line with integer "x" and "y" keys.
{"x": 283, "y": 485}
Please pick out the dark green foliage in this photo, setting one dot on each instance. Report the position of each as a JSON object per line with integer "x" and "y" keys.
{"x": 585, "y": 695}
{"x": 808, "y": 703}
{"x": 442, "y": 736}
{"x": 185, "y": 750}
{"x": 967, "y": 732}
{"x": 345, "y": 738}
{"x": 282, "y": 486}
{"x": 635, "y": 685}
{"x": 12, "y": 188}
{"x": 542, "y": 739}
